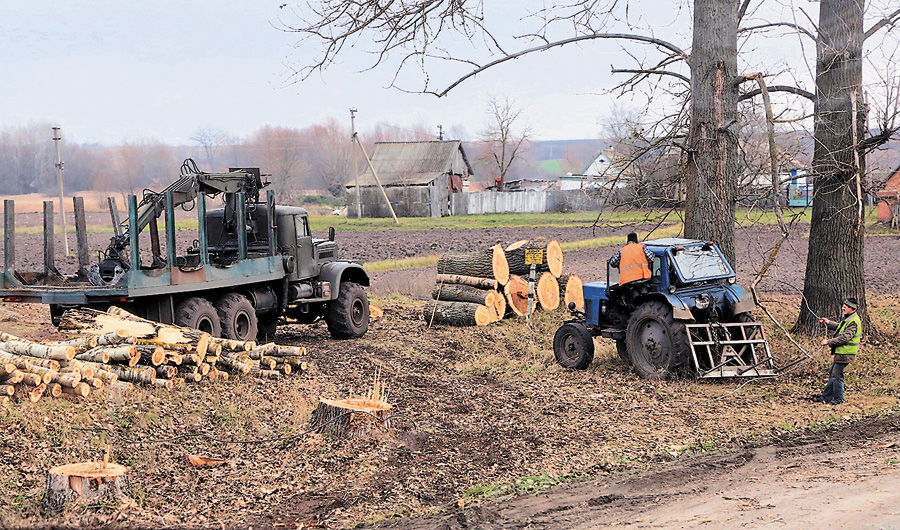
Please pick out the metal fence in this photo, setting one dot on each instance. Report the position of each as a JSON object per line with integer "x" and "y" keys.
{"x": 473, "y": 203}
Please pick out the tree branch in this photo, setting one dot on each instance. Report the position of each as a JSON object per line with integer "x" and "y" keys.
{"x": 890, "y": 19}
{"x": 624, "y": 36}
{"x": 778, "y": 88}
{"x": 651, "y": 71}
{"x": 796, "y": 27}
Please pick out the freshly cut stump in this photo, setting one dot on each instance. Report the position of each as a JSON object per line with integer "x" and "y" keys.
{"x": 457, "y": 313}
{"x": 346, "y": 416}
{"x": 89, "y": 483}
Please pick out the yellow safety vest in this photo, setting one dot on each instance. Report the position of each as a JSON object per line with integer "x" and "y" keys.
{"x": 853, "y": 346}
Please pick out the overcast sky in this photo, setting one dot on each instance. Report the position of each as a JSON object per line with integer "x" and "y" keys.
{"x": 114, "y": 70}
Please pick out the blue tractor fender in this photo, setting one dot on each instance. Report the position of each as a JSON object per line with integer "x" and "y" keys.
{"x": 337, "y": 272}
{"x": 680, "y": 309}
{"x": 742, "y": 301}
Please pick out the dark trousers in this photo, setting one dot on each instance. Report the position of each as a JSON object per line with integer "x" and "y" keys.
{"x": 834, "y": 389}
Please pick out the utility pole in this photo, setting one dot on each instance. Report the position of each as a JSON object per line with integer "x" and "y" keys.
{"x": 440, "y": 132}
{"x": 62, "y": 208}
{"x": 356, "y": 163}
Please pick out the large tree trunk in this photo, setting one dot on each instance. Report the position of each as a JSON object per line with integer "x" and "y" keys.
{"x": 712, "y": 162}
{"x": 834, "y": 265}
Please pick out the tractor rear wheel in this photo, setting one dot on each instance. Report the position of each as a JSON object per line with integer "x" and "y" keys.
{"x": 573, "y": 346}
{"x": 198, "y": 313}
{"x": 657, "y": 343}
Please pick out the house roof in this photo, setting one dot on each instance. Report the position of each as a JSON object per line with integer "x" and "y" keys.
{"x": 415, "y": 163}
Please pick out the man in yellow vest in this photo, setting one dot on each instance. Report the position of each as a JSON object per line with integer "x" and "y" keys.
{"x": 844, "y": 345}
{"x": 633, "y": 261}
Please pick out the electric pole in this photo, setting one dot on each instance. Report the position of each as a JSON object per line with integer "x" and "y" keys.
{"x": 62, "y": 208}
{"x": 440, "y": 132}
{"x": 353, "y": 140}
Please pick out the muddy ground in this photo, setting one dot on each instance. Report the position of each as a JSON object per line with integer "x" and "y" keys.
{"x": 486, "y": 423}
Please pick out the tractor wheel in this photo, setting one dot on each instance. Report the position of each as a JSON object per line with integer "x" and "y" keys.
{"x": 622, "y": 350}
{"x": 198, "y": 313}
{"x": 573, "y": 346}
{"x": 657, "y": 342}
{"x": 267, "y": 326}
{"x": 348, "y": 315}
{"x": 238, "y": 317}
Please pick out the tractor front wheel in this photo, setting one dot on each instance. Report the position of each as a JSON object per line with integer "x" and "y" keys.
{"x": 657, "y": 343}
{"x": 573, "y": 346}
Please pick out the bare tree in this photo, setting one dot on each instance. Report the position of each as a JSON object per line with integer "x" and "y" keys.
{"x": 279, "y": 152}
{"x": 27, "y": 157}
{"x": 329, "y": 155}
{"x": 210, "y": 138}
{"x": 505, "y": 138}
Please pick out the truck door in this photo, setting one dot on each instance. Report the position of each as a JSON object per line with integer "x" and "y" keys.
{"x": 306, "y": 262}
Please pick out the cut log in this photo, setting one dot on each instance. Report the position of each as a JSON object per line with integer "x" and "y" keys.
{"x": 144, "y": 375}
{"x": 121, "y": 386}
{"x": 456, "y": 313}
{"x": 268, "y": 362}
{"x": 269, "y": 374}
{"x": 37, "y": 393}
{"x": 79, "y": 390}
{"x": 25, "y": 363}
{"x": 12, "y": 378}
{"x": 472, "y": 281}
{"x": 289, "y": 351}
{"x": 7, "y": 390}
{"x": 481, "y": 263}
{"x": 96, "y": 382}
{"x": 85, "y": 370}
{"x": 106, "y": 376}
{"x": 40, "y": 351}
{"x": 516, "y": 292}
{"x": 174, "y": 358}
{"x": 547, "y": 292}
{"x": 117, "y": 319}
{"x": 151, "y": 355}
{"x": 33, "y": 379}
{"x": 80, "y": 344}
{"x": 552, "y": 257}
{"x": 499, "y": 308}
{"x": 113, "y": 338}
{"x": 6, "y": 368}
{"x": 233, "y": 345}
{"x": 284, "y": 368}
{"x": 95, "y": 355}
{"x": 375, "y": 312}
{"x": 261, "y": 350}
{"x": 163, "y": 383}
{"x": 88, "y": 483}
{"x": 166, "y": 371}
{"x": 572, "y": 290}
{"x": 55, "y": 390}
{"x": 462, "y": 293}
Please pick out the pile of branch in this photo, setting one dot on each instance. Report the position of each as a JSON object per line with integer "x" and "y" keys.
{"x": 118, "y": 349}
{"x": 482, "y": 287}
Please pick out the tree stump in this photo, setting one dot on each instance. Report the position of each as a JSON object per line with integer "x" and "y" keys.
{"x": 345, "y": 416}
{"x": 86, "y": 483}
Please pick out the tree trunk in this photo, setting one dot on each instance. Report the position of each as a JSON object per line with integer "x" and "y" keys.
{"x": 456, "y": 313}
{"x": 88, "y": 483}
{"x": 552, "y": 257}
{"x": 462, "y": 293}
{"x": 483, "y": 264}
{"x": 834, "y": 264}
{"x": 713, "y": 156}
{"x": 473, "y": 281}
{"x": 40, "y": 351}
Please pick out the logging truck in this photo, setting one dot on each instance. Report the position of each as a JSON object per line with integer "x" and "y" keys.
{"x": 252, "y": 266}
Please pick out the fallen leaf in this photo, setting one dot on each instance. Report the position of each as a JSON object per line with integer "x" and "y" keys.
{"x": 205, "y": 461}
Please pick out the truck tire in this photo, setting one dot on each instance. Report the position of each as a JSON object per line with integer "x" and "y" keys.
{"x": 237, "y": 317}
{"x": 348, "y": 315}
{"x": 198, "y": 313}
{"x": 657, "y": 343}
{"x": 573, "y": 346}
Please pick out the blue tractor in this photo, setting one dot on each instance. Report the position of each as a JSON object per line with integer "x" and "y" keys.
{"x": 689, "y": 317}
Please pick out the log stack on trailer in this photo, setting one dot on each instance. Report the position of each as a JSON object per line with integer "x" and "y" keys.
{"x": 481, "y": 287}
{"x": 118, "y": 349}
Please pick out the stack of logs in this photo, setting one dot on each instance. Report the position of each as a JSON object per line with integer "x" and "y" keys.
{"x": 481, "y": 287}
{"x": 118, "y": 349}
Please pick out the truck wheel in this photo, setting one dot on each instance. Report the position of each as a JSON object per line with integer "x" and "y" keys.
{"x": 198, "y": 313}
{"x": 267, "y": 326}
{"x": 657, "y": 343}
{"x": 237, "y": 316}
{"x": 348, "y": 315}
{"x": 573, "y": 346}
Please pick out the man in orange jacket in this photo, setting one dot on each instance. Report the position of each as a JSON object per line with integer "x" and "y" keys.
{"x": 633, "y": 261}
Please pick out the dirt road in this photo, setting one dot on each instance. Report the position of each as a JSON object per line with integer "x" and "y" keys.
{"x": 845, "y": 478}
